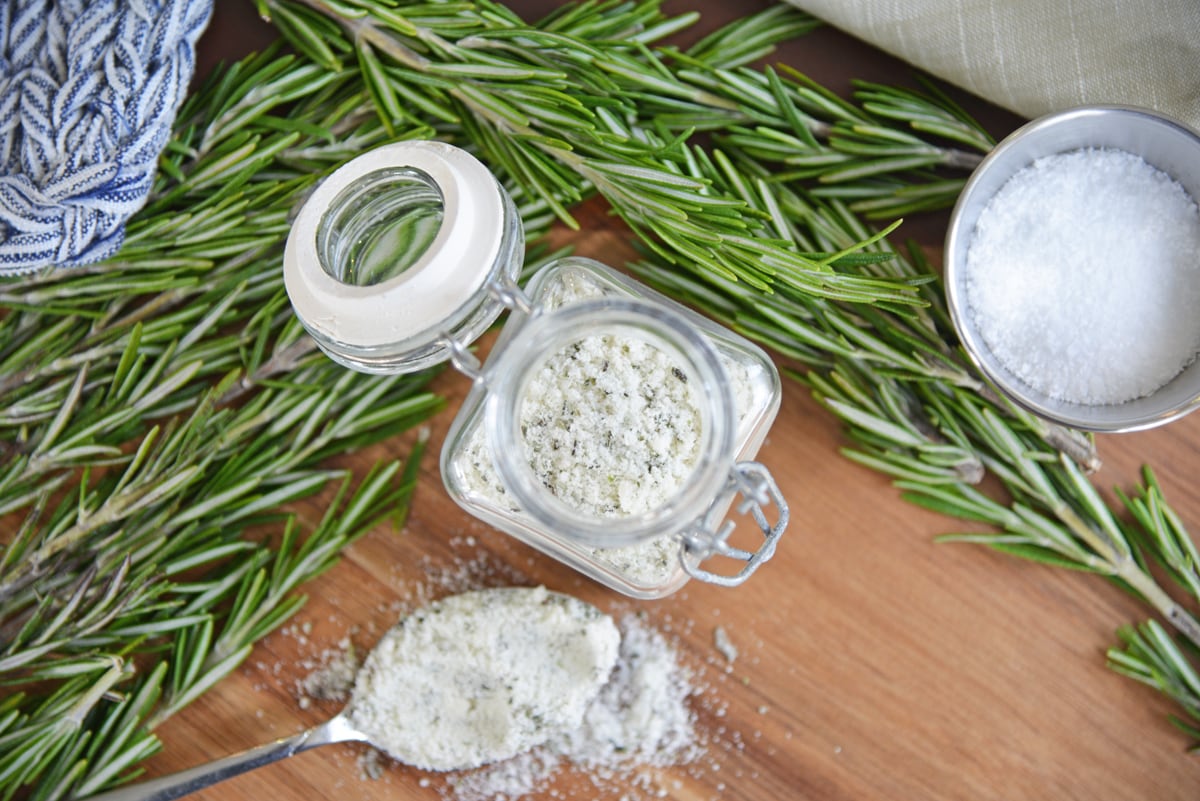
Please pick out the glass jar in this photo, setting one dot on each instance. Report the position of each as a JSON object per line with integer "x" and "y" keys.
{"x": 609, "y": 427}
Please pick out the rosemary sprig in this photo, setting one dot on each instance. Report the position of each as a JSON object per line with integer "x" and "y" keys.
{"x": 892, "y": 152}
{"x": 157, "y": 409}
{"x": 171, "y": 387}
{"x": 916, "y": 410}
{"x": 889, "y": 151}
{"x": 551, "y": 107}
{"x": 1152, "y": 657}
{"x": 915, "y": 407}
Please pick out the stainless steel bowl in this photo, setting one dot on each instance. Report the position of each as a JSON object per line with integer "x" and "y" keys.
{"x": 1165, "y": 144}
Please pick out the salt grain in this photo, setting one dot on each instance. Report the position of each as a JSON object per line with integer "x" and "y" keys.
{"x": 370, "y": 765}
{"x": 1083, "y": 276}
{"x": 724, "y": 645}
{"x": 332, "y": 677}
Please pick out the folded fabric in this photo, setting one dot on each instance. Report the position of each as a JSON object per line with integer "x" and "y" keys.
{"x": 1038, "y": 56}
{"x": 88, "y": 92}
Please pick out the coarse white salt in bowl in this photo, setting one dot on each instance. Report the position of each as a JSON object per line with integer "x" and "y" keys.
{"x": 1073, "y": 268}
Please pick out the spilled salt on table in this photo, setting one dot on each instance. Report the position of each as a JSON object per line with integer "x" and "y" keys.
{"x": 640, "y": 720}
{"x": 331, "y": 678}
{"x": 724, "y": 644}
{"x": 1083, "y": 276}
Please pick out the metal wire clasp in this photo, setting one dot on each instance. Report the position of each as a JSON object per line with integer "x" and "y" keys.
{"x": 509, "y": 294}
{"x": 758, "y": 490}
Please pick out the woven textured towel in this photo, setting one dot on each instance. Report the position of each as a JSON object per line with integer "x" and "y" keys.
{"x": 1038, "y": 56}
{"x": 88, "y": 93}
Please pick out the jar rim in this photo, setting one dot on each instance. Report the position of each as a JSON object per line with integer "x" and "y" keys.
{"x": 410, "y": 312}
{"x": 545, "y": 334}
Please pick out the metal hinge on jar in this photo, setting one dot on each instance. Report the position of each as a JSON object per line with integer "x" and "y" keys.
{"x": 756, "y": 486}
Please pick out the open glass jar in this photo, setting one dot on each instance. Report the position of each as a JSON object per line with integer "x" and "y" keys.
{"x": 610, "y": 425}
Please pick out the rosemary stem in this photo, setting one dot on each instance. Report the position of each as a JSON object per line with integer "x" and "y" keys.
{"x": 362, "y": 30}
{"x": 961, "y": 159}
{"x": 116, "y": 672}
{"x": 1078, "y": 447}
{"x": 1156, "y": 596}
{"x": 281, "y": 361}
{"x": 112, "y": 510}
{"x": 1122, "y": 565}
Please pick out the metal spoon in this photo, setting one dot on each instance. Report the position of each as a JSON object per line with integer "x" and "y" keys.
{"x": 488, "y": 610}
{"x": 335, "y": 730}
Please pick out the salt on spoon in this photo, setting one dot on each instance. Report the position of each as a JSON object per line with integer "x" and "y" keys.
{"x": 468, "y": 680}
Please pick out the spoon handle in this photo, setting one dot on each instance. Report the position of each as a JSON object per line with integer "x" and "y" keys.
{"x": 187, "y": 781}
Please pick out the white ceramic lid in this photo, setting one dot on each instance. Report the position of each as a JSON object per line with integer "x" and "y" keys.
{"x": 411, "y": 306}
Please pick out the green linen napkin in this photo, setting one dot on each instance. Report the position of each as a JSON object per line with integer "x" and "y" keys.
{"x": 1038, "y": 56}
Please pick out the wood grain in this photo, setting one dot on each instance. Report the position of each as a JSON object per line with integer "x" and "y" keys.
{"x": 874, "y": 663}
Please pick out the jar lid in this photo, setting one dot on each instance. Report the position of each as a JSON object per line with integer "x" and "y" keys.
{"x": 413, "y": 307}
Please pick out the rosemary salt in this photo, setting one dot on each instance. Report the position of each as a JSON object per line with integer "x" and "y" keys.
{"x": 483, "y": 676}
{"x": 611, "y": 426}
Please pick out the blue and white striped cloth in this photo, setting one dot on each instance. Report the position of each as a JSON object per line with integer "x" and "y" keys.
{"x": 88, "y": 93}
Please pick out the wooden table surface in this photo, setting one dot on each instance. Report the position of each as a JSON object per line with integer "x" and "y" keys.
{"x": 874, "y": 663}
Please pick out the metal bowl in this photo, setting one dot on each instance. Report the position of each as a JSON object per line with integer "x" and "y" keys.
{"x": 1163, "y": 143}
